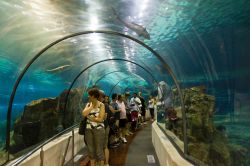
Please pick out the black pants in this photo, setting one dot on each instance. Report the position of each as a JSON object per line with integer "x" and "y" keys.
{"x": 152, "y": 112}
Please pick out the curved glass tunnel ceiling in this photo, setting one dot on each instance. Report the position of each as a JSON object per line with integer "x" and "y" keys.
{"x": 139, "y": 83}
{"x": 68, "y": 57}
{"x": 204, "y": 43}
{"x": 56, "y": 68}
{"x": 106, "y": 80}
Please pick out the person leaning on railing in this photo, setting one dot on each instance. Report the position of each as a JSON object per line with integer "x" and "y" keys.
{"x": 172, "y": 117}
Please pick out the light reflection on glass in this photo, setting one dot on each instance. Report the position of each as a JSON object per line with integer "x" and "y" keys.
{"x": 93, "y": 22}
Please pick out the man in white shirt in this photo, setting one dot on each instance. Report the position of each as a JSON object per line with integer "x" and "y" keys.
{"x": 135, "y": 105}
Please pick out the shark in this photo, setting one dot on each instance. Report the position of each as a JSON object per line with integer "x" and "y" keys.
{"x": 57, "y": 69}
{"x": 138, "y": 29}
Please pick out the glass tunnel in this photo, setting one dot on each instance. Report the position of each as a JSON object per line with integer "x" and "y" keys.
{"x": 192, "y": 56}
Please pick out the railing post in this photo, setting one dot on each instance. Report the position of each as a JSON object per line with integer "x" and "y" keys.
{"x": 73, "y": 144}
{"x": 41, "y": 156}
{"x": 65, "y": 153}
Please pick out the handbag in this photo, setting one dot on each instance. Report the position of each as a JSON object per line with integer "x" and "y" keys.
{"x": 82, "y": 126}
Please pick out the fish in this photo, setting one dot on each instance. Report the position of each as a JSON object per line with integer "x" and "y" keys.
{"x": 60, "y": 68}
{"x": 138, "y": 29}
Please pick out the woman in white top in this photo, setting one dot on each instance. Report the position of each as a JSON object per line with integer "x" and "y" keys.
{"x": 123, "y": 118}
{"x": 94, "y": 133}
{"x": 151, "y": 104}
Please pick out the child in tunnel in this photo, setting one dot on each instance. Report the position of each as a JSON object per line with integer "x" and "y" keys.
{"x": 172, "y": 118}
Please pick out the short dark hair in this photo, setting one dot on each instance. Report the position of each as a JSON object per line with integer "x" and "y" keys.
{"x": 102, "y": 93}
{"x": 114, "y": 95}
{"x": 94, "y": 92}
{"x": 119, "y": 97}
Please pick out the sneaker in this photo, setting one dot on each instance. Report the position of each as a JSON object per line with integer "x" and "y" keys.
{"x": 124, "y": 140}
{"x": 130, "y": 133}
{"x": 113, "y": 146}
{"x": 118, "y": 143}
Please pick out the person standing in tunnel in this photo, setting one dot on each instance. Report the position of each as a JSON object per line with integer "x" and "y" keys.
{"x": 129, "y": 120}
{"x": 135, "y": 105}
{"x": 94, "y": 111}
{"x": 151, "y": 104}
{"x": 143, "y": 107}
{"x": 116, "y": 110}
{"x": 123, "y": 118}
{"x": 105, "y": 100}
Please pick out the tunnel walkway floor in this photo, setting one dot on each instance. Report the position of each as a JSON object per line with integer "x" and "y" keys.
{"x": 138, "y": 151}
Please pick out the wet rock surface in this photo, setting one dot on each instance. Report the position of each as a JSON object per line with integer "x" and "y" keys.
{"x": 45, "y": 117}
{"x": 206, "y": 142}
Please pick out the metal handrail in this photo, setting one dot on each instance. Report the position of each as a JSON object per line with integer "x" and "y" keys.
{"x": 21, "y": 159}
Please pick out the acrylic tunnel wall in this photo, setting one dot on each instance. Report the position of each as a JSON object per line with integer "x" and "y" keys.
{"x": 204, "y": 43}
{"x": 52, "y": 114}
